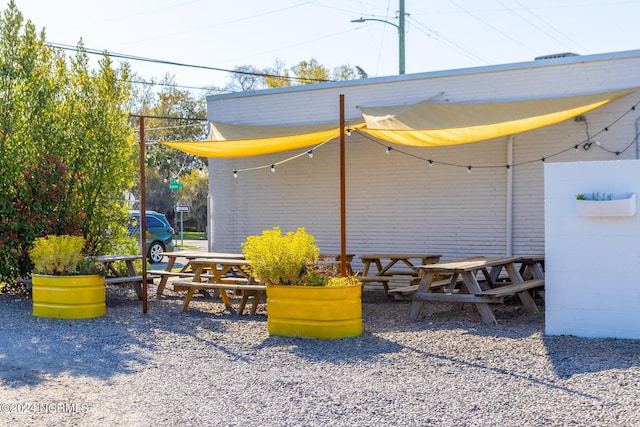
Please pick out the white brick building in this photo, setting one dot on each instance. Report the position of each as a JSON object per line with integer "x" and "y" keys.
{"x": 397, "y": 202}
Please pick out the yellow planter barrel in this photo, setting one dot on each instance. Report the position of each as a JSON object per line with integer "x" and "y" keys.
{"x": 314, "y": 312}
{"x": 68, "y": 297}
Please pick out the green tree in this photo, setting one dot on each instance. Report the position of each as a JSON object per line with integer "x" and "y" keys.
{"x": 169, "y": 117}
{"x": 57, "y": 117}
{"x": 310, "y": 72}
{"x": 194, "y": 194}
{"x": 304, "y": 72}
{"x": 279, "y": 70}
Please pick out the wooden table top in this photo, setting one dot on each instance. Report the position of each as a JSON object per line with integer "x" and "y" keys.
{"x": 397, "y": 256}
{"x": 201, "y": 254}
{"x": 117, "y": 257}
{"x": 470, "y": 264}
{"x": 222, "y": 261}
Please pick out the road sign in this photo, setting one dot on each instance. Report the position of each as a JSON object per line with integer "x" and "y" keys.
{"x": 175, "y": 185}
{"x": 182, "y": 208}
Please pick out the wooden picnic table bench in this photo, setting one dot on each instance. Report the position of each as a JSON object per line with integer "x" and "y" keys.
{"x": 226, "y": 274}
{"x": 115, "y": 277}
{"x": 186, "y": 270}
{"x": 406, "y": 270}
{"x": 470, "y": 290}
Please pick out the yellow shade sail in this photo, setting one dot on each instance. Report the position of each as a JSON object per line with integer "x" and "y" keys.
{"x": 241, "y": 141}
{"x": 436, "y": 124}
{"x": 421, "y": 125}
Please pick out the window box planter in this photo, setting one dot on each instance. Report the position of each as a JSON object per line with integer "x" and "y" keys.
{"x": 619, "y": 204}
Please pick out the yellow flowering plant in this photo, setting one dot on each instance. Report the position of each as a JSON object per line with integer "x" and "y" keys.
{"x": 61, "y": 256}
{"x": 288, "y": 259}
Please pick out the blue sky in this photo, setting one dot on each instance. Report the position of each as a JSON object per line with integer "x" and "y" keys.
{"x": 440, "y": 34}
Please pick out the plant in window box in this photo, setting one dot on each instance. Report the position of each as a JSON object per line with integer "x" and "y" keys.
{"x": 606, "y": 204}
{"x": 302, "y": 299}
{"x": 66, "y": 284}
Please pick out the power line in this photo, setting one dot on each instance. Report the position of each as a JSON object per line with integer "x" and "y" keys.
{"x": 152, "y": 83}
{"x": 429, "y": 32}
{"x": 179, "y": 64}
{"x": 515, "y": 12}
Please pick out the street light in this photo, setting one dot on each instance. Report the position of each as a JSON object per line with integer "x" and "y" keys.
{"x": 400, "y": 27}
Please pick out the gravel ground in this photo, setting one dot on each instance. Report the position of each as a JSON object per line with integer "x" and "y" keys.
{"x": 207, "y": 367}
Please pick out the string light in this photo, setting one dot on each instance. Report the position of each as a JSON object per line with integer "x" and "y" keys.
{"x": 272, "y": 166}
{"x": 430, "y": 162}
{"x": 389, "y": 150}
{"x": 469, "y": 169}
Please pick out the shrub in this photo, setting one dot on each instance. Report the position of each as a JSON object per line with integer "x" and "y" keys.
{"x": 290, "y": 259}
{"x": 278, "y": 259}
{"x": 61, "y": 256}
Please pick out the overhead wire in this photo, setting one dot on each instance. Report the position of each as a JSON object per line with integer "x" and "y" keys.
{"x": 180, "y": 64}
{"x": 542, "y": 30}
{"x": 494, "y": 28}
{"x": 423, "y": 28}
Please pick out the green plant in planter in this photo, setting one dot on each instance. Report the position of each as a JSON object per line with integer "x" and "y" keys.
{"x": 61, "y": 256}
{"x": 277, "y": 259}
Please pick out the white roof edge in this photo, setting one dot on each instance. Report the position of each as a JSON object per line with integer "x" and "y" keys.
{"x": 432, "y": 74}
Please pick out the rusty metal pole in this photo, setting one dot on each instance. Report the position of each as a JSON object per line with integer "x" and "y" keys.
{"x": 343, "y": 196}
{"x": 143, "y": 217}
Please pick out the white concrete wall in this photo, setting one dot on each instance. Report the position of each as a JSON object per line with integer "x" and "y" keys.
{"x": 592, "y": 285}
{"x": 396, "y": 202}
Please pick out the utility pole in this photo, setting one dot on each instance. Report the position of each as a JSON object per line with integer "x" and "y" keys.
{"x": 401, "y": 30}
{"x": 401, "y": 38}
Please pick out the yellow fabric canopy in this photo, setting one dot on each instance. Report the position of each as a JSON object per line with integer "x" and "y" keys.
{"x": 435, "y": 124}
{"x": 423, "y": 124}
{"x": 227, "y": 140}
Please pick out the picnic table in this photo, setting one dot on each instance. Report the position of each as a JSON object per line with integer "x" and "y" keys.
{"x": 327, "y": 258}
{"x": 226, "y": 274}
{"x": 405, "y": 264}
{"x": 186, "y": 270}
{"x": 464, "y": 274}
{"x": 114, "y": 276}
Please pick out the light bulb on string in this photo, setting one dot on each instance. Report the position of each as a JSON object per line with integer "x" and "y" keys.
{"x": 310, "y": 153}
{"x": 389, "y": 150}
{"x": 348, "y": 132}
{"x": 273, "y": 167}
{"x": 235, "y": 173}
{"x": 469, "y": 169}
{"x": 430, "y": 162}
